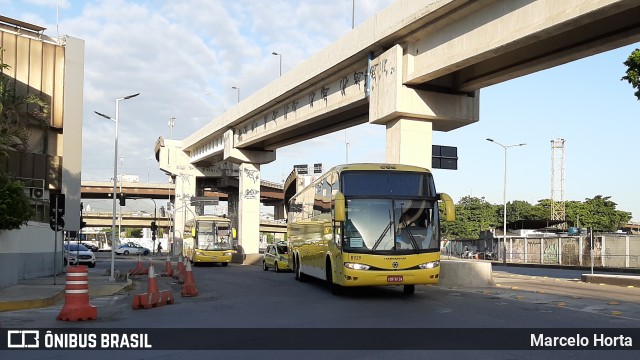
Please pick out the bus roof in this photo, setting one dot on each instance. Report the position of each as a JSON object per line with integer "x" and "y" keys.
{"x": 378, "y": 166}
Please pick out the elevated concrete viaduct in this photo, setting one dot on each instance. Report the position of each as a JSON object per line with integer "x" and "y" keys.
{"x": 416, "y": 67}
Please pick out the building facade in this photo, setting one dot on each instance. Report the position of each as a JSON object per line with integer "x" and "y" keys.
{"x": 53, "y": 69}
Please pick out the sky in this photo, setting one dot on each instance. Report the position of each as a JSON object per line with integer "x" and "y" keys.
{"x": 185, "y": 57}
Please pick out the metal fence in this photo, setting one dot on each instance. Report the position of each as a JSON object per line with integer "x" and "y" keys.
{"x": 614, "y": 251}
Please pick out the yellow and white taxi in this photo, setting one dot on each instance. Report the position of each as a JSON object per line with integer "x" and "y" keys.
{"x": 276, "y": 257}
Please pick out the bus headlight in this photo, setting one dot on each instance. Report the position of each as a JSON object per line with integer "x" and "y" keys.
{"x": 229, "y": 253}
{"x": 356, "y": 266}
{"x": 430, "y": 265}
{"x": 198, "y": 252}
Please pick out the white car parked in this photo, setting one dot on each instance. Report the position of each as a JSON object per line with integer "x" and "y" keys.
{"x": 78, "y": 254}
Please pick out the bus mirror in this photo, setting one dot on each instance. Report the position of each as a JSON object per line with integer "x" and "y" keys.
{"x": 339, "y": 213}
{"x": 193, "y": 232}
{"x": 449, "y": 208}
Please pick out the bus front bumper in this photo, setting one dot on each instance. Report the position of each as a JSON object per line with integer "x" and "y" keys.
{"x": 211, "y": 257}
{"x": 351, "y": 277}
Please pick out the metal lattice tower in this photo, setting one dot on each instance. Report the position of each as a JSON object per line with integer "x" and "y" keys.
{"x": 557, "y": 181}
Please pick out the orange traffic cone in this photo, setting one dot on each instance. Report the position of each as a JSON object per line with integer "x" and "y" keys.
{"x": 189, "y": 286}
{"x": 76, "y": 303}
{"x": 183, "y": 270}
{"x": 139, "y": 269}
{"x": 153, "y": 297}
{"x": 168, "y": 270}
{"x": 176, "y": 274}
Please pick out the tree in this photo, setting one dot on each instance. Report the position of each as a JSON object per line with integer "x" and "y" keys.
{"x": 18, "y": 112}
{"x": 15, "y": 207}
{"x": 633, "y": 71}
{"x": 133, "y": 233}
{"x": 472, "y": 216}
{"x": 601, "y": 214}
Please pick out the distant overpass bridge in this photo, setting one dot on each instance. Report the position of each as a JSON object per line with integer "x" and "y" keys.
{"x": 142, "y": 220}
{"x": 270, "y": 192}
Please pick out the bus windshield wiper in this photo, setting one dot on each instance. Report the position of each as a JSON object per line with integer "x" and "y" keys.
{"x": 406, "y": 228}
{"x": 386, "y": 230}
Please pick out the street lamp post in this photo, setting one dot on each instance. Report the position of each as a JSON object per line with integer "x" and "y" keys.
{"x": 504, "y": 201}
{"x": 115, "y": 183}
{"x": 172, "y": 122}
{"x": 238, "y": 89}
{"x": 280, "y": 56}
{"x": 120, "y": 203}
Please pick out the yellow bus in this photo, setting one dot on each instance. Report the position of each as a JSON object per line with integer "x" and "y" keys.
{"x": 207, "y": 239}
{"x": 368, "y": 225}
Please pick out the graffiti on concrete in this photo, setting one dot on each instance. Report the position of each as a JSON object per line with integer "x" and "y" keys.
{"x": 324, "y": 93}
{"x": 343, "y": 85}
{"x": 252, "y": 174}
{"x": 311, "y": 97}
{"x": 251, "y": 194}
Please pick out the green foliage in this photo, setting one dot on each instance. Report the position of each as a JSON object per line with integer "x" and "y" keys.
{"x": 472, "y": 216}
{"x": 476, "y": 214}
{"x": 133, "y": 233}
{"x": 15, "y": 206}
{"x": 600, "y": 213}
{"x": 17, "y": 113}
{"x": 633, "y": 71}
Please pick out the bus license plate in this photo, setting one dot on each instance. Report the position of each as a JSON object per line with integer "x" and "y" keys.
{"x": 394, "y": 278}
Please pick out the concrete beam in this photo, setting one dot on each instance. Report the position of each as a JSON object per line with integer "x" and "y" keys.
{"x": 391, "y": 99}
{"x": 240, "y": 156}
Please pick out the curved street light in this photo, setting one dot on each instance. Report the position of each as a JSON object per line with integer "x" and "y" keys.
{"x": 280, "y": 56}
{"x": 115, "y": 182}
{"x": 504, "y": 200}
{"x": 238, "y": 89}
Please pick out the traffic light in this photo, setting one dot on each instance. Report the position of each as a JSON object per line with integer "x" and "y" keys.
{"x": 122, "y": 199}
{"x": 154, "y": 228}
{"x": 83, "y": 223}
{"x": 56, "y": 212}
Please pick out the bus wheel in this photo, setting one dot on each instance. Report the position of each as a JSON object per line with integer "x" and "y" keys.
{"x": 275, "y": 266}
{"x": 225, "y": 264}
{"x": 335, "y": 288}
{"x": 409, "y": 289}
{"x": 300, "y": 276}
{"x": 264, "y": 266}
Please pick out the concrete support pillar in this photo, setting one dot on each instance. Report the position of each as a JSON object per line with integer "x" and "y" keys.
{"x": 185, "y": 189}
{"x": 232, "y": 209}
{"x": 249, "y": 208}
{"x": 409, "y": 142}
{"x": 279, "y": 213}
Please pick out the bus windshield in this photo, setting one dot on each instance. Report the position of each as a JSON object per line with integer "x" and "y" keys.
{"x": 388, "y": 226}
{"x": 212, "y": 236}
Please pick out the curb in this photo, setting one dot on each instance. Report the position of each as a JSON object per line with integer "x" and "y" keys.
{"x": 31, "y": 303}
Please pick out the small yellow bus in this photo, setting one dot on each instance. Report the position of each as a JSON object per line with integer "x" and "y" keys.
{"x": 368, "y": 225}
{"x": 208, "y": 239}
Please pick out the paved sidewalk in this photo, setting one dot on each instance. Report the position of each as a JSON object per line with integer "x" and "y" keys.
{"x": 46, "y": 291}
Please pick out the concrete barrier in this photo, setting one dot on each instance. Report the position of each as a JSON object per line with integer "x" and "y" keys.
{"x": 618, "y": 280}
{"x": 461, "y": 273}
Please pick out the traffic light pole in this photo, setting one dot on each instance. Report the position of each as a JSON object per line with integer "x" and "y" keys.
{"x": 154, "y": 230}
{"x": 55, "y": 241}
